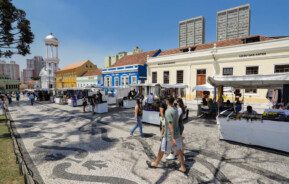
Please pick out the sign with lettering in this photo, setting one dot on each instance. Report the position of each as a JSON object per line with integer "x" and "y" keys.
{"x": 167, "y": 63}
{"x": 253, "y": 54}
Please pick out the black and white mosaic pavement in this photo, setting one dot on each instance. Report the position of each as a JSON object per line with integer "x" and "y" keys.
{"x": 68, "y": 146}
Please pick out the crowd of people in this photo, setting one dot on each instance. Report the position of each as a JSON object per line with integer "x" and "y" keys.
{"x": 6, "y": 100}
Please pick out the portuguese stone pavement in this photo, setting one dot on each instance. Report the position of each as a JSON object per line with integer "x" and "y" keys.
{"x": 63, "y": 145}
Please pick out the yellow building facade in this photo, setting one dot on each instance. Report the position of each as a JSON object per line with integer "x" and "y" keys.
{"x": 66, "y": 77}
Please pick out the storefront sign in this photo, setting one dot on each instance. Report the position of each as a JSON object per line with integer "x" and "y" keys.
{"x": 167, "y": 63}
{"x": 253, "y": 54}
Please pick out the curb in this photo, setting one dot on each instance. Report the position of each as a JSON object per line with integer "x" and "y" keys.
{"x": 28, "y": 171}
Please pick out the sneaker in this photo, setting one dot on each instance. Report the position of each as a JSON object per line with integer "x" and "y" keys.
{"x": 170, "y": 157}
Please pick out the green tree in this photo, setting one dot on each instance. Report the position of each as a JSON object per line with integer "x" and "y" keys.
{"x": 15, "y": 30}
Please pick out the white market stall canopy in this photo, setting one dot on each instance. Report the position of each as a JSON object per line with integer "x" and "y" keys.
{"x": 209, "y": 87}
{"x": 204, "y": 87}
{"x": 92, "y": 86}
{"x": 144, "y": 85}
{"x": 71, "y": 89}
{"x": 251, "y": 81}
{"x": 106, "y": 87}
{"x": 177, "y": 86}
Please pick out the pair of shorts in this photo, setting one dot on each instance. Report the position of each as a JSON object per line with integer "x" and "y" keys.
{"x": 167, "y": 145}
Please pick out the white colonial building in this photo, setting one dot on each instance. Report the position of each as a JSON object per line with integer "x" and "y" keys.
{"x": 192, "y": 66}
{"x": 90, "y": 78}
{"x": 47, "y": 73}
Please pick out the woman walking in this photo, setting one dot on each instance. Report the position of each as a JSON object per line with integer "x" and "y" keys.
{"x": 138, "y": 117}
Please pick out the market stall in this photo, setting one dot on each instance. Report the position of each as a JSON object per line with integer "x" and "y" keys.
{"x": 74, "y": 102}
{"x": 115, "y": 94}
{"x": 151, "y": 111}
{"x": 101, "y": 108}
{"x": 112, "y": 94}
{"x": 151, "y": 117}
{"x": 43, "y": 94}
{"x": 210, "y": 109}
{"x": 143, "y": 90}
{"x": 129, "y": 103}
{"x": 96, "y": 101}
{"x": 60, "y": 96}
{"x": 269, "y": 129}
{"x": 75, "y": 96}
{"x": 175, "y": 90}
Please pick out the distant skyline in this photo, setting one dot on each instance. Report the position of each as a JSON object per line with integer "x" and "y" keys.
{"x": 92, "y": 29}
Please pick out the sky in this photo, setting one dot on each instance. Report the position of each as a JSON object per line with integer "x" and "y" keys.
{"x": 93, "y": 29}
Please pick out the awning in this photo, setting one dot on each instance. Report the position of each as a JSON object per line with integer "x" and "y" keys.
{"x": 251, "y": 81}
{"x": 209, "y": 87}
{"x": 107, "y": 87}
{"x": 204, "y": 87}
{"x": 144, "y": 85}
{"x": 178, "y": 86}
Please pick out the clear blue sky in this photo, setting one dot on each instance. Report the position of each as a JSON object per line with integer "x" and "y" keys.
{"x": 93, "y": 29}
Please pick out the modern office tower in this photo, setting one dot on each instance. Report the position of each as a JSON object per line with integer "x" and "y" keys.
{"x": 233, "y": 22}
{"x": 191, "y": 31}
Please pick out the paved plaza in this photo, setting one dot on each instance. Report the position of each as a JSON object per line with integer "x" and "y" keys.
{"x": 63, "y": 145}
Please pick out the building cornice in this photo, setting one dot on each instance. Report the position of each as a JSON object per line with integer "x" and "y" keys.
{"x": 279, "y": 45}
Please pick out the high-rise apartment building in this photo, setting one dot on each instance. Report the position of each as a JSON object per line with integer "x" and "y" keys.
{"x": 10, "y": 70}
{"x": 33, "y": 68}
{"x": 191, "y": 32}
{"x": 111, "y": 60}
{"x": 233, "y": 23}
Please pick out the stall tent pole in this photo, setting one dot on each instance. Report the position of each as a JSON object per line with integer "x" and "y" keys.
{"x": 243, "y": 99}
{"x": 220, "y": 95}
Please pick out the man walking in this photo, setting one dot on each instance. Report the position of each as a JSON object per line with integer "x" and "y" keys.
{"x": 172, "y": 139}
{"x": 31, "y": 98}
{"x": 17, "y": 96}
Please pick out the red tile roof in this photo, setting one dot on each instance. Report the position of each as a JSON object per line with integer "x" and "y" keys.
{"x": 135, "y": 59}
{"x": 74, "y": 65}
{"x": 223, "y": 43}
{"x": 170, "y": 52}
{"x": 92, "y": 72}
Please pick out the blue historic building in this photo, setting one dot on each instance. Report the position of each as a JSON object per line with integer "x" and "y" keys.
{"x": 130, "y": 69}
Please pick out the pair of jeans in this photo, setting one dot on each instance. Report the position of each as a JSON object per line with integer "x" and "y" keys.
{"x": 32, "y": 101}
{"x": 139, "y": 125}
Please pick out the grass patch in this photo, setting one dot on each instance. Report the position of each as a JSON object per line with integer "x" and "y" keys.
{"x": 2, "y": 117}
{"x": 9, "y": 170}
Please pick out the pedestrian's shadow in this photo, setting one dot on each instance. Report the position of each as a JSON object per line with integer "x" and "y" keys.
{"x": 172, "y": 165}
{"x": 148, "y": 135}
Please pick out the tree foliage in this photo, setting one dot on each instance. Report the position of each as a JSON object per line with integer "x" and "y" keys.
{"x": 15, "y": 30}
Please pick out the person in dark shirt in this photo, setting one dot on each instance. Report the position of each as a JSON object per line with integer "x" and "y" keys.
{"x": 238, "y": 106}
{"x": 133, "y": 93}
{"x": 250, "y": 111}
{"x": 99, "y": 96}
{"x": 163, "y": 107}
